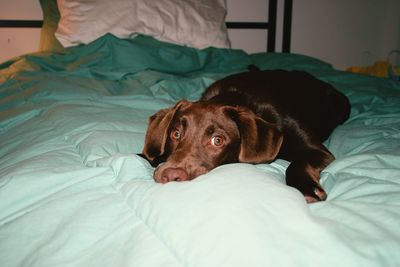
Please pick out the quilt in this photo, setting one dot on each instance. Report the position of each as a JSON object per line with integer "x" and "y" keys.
{"x": 73, "y": 192}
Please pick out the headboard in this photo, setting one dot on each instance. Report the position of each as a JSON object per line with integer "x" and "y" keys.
{"x": 269, "y": 25}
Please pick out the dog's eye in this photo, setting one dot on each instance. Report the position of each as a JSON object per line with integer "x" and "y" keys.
{"x": 175, "y": 135}
{"x": 217, "y": 140}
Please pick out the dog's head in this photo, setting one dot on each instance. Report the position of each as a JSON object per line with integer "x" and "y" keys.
{"x": 195, "y": 137}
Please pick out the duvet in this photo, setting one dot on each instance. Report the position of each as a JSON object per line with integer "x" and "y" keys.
{"x": 73, "y": 192}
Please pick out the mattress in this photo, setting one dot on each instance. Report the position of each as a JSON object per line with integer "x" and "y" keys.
{"x": 73, "y": 192}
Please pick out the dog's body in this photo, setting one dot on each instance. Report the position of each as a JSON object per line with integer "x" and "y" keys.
{"x": 252, "y": 117}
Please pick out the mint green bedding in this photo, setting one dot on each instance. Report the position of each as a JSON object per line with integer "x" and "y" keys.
{"x": 73, "y": 192}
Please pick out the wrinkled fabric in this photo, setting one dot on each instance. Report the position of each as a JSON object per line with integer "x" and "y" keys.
{"x": 73, "y": 192}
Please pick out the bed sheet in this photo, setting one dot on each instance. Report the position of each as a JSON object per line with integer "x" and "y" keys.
{"x": 74, "y": 193}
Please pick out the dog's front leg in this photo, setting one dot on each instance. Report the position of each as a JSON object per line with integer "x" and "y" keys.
{"x": 304, "y": 173}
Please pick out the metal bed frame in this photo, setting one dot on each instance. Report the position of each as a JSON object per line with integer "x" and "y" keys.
{"x": 269, "y": 25}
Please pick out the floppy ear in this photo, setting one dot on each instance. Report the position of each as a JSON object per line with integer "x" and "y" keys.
{"x": 260, "y": 140}
{"x": 157, "y": 131}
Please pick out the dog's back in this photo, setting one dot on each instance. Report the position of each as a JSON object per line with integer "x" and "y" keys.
{"x": 275, "y": 94}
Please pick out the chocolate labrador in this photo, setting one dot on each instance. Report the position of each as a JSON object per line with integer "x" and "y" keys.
{"x": 252, "y": 117}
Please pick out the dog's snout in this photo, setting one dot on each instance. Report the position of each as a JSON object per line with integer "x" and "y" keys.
{"x": 174, "y": 174}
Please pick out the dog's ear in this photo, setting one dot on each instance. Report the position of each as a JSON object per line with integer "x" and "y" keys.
{"x": 260, "y": 140}
{"x": 157, "y": 131}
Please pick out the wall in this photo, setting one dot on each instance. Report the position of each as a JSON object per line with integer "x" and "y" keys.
{"x": 346, "y": 33}
{"x": 17, "y": 41}
{"x": 342, "y": 32}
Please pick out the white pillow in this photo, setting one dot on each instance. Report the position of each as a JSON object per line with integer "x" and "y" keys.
{"x": 195, "y": 23}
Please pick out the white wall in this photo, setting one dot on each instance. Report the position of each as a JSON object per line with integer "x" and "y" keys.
{"x": 346, "y": 32}
{"x": 17, "y": 41}
{"x": 342, "y": 32}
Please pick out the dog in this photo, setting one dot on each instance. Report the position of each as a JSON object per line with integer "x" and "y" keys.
{"x": 251, "y": 117}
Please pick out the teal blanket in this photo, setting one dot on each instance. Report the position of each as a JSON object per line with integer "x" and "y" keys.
{"x": 74, "y": 193}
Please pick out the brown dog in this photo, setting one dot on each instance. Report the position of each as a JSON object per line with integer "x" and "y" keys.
{"x": 252, "y": 117}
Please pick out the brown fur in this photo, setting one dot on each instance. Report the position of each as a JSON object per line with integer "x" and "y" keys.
{"x": 252, "y": 117}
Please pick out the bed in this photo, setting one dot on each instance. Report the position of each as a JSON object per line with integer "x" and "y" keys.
{"x": 73, "y": 192}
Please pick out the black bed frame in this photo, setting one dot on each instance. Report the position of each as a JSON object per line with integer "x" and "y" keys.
{"x": 269, "y": 26}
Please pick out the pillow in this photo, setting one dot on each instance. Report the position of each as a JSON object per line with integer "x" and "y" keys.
{"x": 194, "y": 23}
{"x": 51, "y": 17}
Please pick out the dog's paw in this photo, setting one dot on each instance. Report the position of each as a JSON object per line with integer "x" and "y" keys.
{"x": 318, "y": 194}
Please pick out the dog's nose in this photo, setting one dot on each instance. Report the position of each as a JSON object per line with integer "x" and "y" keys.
{"x": 174, "y": 174}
